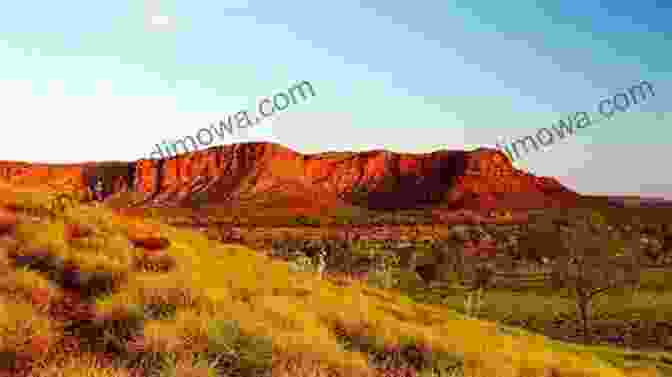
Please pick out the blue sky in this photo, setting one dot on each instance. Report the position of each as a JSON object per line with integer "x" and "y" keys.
{"x": 106, "y": 81}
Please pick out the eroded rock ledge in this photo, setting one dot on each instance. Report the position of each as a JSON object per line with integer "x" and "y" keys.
{"x": 484, "y": 177}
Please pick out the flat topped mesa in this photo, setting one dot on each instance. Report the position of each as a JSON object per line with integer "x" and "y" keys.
{"x": 389, "y": 179}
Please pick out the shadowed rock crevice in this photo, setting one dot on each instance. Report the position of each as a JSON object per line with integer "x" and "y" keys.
{"x": 116, "y": 176}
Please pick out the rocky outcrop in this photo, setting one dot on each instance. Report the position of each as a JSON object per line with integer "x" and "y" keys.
{"x": 491, "y": 181}
{"x": 271, "y": 172}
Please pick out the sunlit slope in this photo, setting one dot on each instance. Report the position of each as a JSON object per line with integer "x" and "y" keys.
{"x": 206, "y": 282}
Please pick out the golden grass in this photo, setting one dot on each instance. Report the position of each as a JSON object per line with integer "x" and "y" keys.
{"x": 23, "y": 283}
{"x": 298, "y": 311}
{"x": 81, "y": 366}
{"x": 23, "y": 330}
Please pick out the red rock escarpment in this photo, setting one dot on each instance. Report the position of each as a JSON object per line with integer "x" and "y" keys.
{"x": 238, "y": 172}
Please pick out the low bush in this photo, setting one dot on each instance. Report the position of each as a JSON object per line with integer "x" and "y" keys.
{"x": 304, "y": 220}
{"x": 110, "y": 331}
{"x": 154, "y": 262}
{"x": 235, "y": 353}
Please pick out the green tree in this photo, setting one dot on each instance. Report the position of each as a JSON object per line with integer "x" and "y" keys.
{"x": 542, "y": 240}
{"x": 199, "y": 199}
{"x": 590, "y": 267}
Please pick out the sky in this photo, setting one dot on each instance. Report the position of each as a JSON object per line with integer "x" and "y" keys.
{"x": 92, "y": 81}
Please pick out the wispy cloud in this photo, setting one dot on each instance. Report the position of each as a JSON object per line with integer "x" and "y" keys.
{"x": 155, "y": 20}
{"x": 161, "y": 20}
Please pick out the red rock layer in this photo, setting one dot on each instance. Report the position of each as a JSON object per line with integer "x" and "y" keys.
{"x": 482, "y": 178}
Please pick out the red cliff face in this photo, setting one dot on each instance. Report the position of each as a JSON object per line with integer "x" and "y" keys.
{"x": 246, "y": 171}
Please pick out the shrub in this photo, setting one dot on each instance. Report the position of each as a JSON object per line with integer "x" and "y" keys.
{"x": 160, "y": 310}
{"x": 189, "y": 367}
{"x": 95, "y": 283}
{"x": 304, "y": 220}
{"x": 302, "y": 264}
{"x": 351, "y": 215}
{"x": 85, "y": 365}
{"x": 110, "y": 331}
{"x": 383, "y": 276}
{"x": 145, "y": 357}
{"x": 358, "y": 195}
{"x": 232, "y": 351}
{"x": 543, "y": 240}
{"x": 31, "y": 286}
{"x": 154, "y": 262}
{"x": 199, "y": 199}
{"x": 60, "y": 203}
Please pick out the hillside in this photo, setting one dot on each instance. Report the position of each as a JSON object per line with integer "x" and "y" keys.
{"x": 271, "y": 175}
{"x": 92, "y": 293}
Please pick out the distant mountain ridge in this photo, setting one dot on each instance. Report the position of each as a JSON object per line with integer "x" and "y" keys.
{"x": 639, "y": 201}
{"x": 483, "y": 178}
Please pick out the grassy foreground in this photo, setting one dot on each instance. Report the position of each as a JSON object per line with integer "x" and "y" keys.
{"x": 295, "y": 322}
